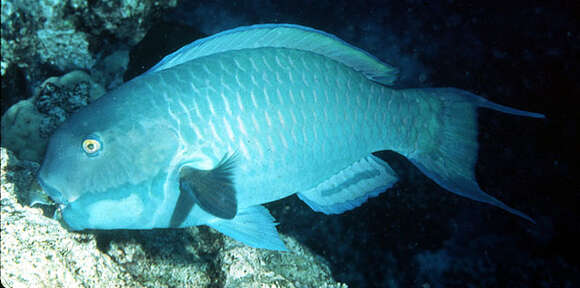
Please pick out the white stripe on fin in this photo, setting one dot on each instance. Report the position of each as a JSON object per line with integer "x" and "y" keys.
{"x": 351, "y": 187}
{"x": 283, "y": 36}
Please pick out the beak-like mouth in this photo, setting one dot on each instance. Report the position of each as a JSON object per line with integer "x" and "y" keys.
{"x": 52, "y": 192}
{"x": 37, "y": 195}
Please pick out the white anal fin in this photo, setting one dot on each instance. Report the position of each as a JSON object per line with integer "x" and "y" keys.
{"x": 351, "y": 187}
{"x": 253, "y": 226}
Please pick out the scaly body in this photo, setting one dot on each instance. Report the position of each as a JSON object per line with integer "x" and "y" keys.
{"x": 211, "y": 133}
{"x": 293, "y": 123}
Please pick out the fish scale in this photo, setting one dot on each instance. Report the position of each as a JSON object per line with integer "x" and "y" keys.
{"x": 249, "y": 116}
{"x": 292, "y": 167}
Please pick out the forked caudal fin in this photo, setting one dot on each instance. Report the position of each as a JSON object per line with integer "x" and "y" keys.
{"x": 451, "y": 161}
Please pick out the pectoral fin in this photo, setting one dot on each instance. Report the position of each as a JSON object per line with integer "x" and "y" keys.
{"x": 183, "y": 206}
{"x": 213, "y": 190}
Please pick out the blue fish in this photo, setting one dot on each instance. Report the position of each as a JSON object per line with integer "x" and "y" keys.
{"x": 249, "y": 116}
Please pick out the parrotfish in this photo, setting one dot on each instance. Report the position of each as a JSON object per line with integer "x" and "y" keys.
{"x": 250, "y": 116}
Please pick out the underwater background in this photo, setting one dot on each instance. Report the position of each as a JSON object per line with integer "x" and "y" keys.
{"x": 516, "y": 53}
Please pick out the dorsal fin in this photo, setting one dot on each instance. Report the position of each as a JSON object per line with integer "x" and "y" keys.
{"x": 283, "y": 36}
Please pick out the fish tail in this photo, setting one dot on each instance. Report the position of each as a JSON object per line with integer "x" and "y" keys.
{"x": 451, "y": 161}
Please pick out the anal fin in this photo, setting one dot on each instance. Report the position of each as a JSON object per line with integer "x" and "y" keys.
{"x": 351, "y": 187}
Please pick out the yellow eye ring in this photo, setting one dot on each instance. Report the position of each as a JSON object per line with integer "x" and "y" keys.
{"x": 91, "y": 146}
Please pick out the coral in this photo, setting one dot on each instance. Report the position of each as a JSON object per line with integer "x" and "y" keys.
{"x": 128, "y": 20}
{"x": 66, "y": 48}
{"x": 70, "y": 34}
{"x": 27, "y": 125}
{"x": 21, "y": 130}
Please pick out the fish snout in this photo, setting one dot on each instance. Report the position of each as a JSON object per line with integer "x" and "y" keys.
{"x": 50, "y": 190}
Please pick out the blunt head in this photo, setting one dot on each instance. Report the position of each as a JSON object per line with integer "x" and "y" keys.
{"x": 101, "y": 164}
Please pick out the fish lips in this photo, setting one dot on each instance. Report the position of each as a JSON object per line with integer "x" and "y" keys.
{"x": 51, "y": 191}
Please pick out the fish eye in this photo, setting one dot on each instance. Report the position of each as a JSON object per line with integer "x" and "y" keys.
{"x": 91, "y": 146}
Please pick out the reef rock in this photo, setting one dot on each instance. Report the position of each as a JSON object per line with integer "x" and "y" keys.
{"x": 67, "y": 34}
{"x": 27, "y": 125}
{"x": 38, "y": 252}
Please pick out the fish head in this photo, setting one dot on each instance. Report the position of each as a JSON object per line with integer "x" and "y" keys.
{"x": 103, "y": 165}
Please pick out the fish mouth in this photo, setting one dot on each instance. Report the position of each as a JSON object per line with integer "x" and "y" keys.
{"x": 52, "y": 192}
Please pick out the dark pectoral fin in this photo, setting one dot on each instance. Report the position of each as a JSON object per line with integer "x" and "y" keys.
{"x": 213, "y": 190}
{"x": 183, "y": 206}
